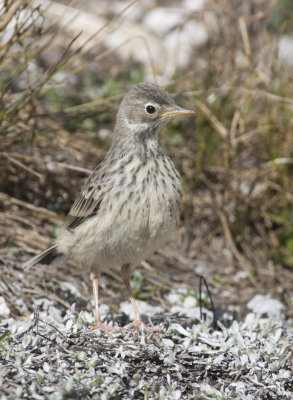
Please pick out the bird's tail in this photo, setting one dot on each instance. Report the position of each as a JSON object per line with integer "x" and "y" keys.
{"x": 46, "y": 257}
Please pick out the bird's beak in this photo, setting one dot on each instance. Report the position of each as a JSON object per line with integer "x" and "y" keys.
{"x": 176, "y": 112}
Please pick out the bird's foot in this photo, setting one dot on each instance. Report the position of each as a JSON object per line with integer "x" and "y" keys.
{"x": 105, "y": 328}
{"x": 139, "y": 324}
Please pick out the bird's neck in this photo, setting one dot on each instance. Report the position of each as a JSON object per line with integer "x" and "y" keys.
{"x": 139, "y": 139}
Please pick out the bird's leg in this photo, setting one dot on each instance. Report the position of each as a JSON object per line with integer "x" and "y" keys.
{"x": 125, "y": 273}
{"x": 98, "y": 322}
{"x": 138, "y": 322}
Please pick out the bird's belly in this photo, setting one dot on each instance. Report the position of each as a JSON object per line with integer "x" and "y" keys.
{"x": 124, "y": 236}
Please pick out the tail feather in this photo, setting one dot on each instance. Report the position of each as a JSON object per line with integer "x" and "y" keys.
{"x": 46, "y": 257}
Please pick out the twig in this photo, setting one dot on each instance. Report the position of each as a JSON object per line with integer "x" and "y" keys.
{"x": 20, "y": 164}
{"x": 40, "y": 210}
{"x": 215, "y": 311}
{"x": 252, "y": 92}
{"x": 34, "y": 324}
{"x": 220, "y": 128}
{"x": 10, "y": 14}
{"x": 244, "y": 34}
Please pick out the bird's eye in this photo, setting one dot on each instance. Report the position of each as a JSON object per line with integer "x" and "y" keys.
{"x": 150, "y": 109}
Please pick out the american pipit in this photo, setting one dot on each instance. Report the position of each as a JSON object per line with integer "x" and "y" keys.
{"x": 130, "y": 204}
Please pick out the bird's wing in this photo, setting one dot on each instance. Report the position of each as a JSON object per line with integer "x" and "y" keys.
{"x": 89, "y": 199}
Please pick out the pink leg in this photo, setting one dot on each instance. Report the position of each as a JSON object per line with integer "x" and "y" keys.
{"x": 138, "y": 322}
{"x": 98, "y": 322}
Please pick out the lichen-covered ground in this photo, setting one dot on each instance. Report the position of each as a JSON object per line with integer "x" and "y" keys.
{"x": 59, "y": 357}
{"x": 64, "y": 69}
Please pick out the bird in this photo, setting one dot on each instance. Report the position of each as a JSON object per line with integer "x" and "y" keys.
{"x": 130, "y": 204}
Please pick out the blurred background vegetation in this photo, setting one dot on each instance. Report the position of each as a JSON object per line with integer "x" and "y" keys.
{"x": 59, "y": 95}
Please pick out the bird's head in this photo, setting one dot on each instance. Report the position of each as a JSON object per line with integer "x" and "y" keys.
{"x": 146, "y": 108}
